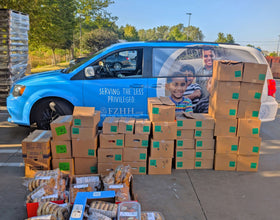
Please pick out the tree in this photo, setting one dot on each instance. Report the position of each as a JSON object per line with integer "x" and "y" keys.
{"x": 130, "y": 33}
{"x": 230, "y": 39}
{"x": 193, "y": 33}
{"x": 142, "y": 35}
{"x": 162, "y": 32}
{"x": 222, "y": 39}
{"x": 151, "y": 35}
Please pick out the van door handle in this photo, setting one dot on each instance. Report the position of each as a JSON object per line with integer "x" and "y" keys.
{"x": 136, "y": 86}
{"x": 159, "y": 85}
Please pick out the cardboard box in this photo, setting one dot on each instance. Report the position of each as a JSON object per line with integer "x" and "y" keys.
{"x": 106, "y": 168}
{"x": 34, "y": 165}
{"x": 205, "y": 144}
{"x": 225, "y": 127}
{"x": 251, "y": 92}
{"x": 203, "y": 133}
{"x": 248, "y": 110}
{"x": 137, "y": 168}
{"x": 161, "y": 109}
{"x": 254, "y": 72}
{"x": 226, "y": 145}
{"x": 110, "y": 155}
{"x": 186, "y": 154}
{"x": 85, "y": 165}
{"x": 142, "y": 126}
{"x": 248, "y": 127}
{"x": 195, "y": 121}
{"x": 85, "y": 117}
{"x": 37, "y": 145}
{"x": 84, "y": 133}
{"x": 61, "y": 128}
{"x": 134, "y": 154}
{"x": 203, "y": 164}
{"x": 136, "y": 140}
{"x": 84, "y": 147}
{"x": 111, "y": 140}
{"x": 183, "y": 164}
{"x": 61, "y": 149}
{"x": 222, "y": 108}
{"x": 249, "y": 146}
{"x": 162, "y": 148}
{"x": 225, "y": 70}
{"x": 184, "y": 122}
{"x": 110, "y": 125}
{"x": 65, "y": 165}
{"x": 185, "y": 134}
{"x": 204, "y": 154}
{"x": 160, "y": 165}
{"x": 185, "y": 143}
{"x": 225, "y": 90}
{"x": 126, "y": 125}
{"x": 164, "y": 130}
{"x": 225, "y": 162}
{"x": 247, "y": 163}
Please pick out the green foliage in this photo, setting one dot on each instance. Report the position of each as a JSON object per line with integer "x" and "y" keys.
{"x": 130, "y": 33}
{"x": 273, "y": 54}
{"x": 222, "y": 39}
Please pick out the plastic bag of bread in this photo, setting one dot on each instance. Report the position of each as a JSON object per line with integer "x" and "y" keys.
{"x": 43, "y": 217}
{"x": 123, "y": 175}
{"x": 97, "y": 216}
{"x": 129, "y": 211}
{"x": 60, "y": 211}
{"x": 34, "y": 183}
{"x": 122, "y": 192}
{"x": 105, "y": 208}
{"x": 151, "y": 216}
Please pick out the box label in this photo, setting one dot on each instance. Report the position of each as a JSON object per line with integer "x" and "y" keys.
{"x": 114, "y": 128}
{"x": 129, "y": 127}
{"x": 145, "y": 143}
{"x": 231, "y": 163}
{"x": 199, "y": 143}
{"x": 237, "y": 73}
{"x": 198, "y": 124}
{"x": 253, "y": 165}
{"x": 232, "y": 129}
{"x": 60, "y": 130}
{"x": 257, "y": 95}
{"x": 262, "y": 77}
{"x": 64, "y": 166}
{"x": 232, "y": 112}
{"x": 255, "y": 149}
{"x": 179, "y": 154}
{"x": 119, "y": 142}
{"x": 180, "y": 164}
{"x": 93, "y": 169}
{"x": 233, "y": 147}
{"x": 197, "y": 164}
{"x": 155, "y": 111}
{"x": 179, "y": 133}
{"x": 118, "y": 157}
{"x": 255, "y": 130}
{"x": 146, "y": 129}
{"x": 180, "y": 143}
{"x": 235, "y": 95}
{"x": 198, "y": 154}
{"x": 157, "y": 128}
{"x": 61, "y": 149}
{"x": 153, "y": 162}
{"x": 142, "y": 156}
{"x": 77, "y": 122}
{"x": 156, "y": 144}
{"x": 91, "y": 152}
{"x": 75, "y": 130}
{"x": 142, "y": 169}
{"x": 179, "y": 123}
{"x": 198, "y": 133}
{"x": 255, "y": 113}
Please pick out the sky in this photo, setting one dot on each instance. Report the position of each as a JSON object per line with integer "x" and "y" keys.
{"x": 255, "y": 22}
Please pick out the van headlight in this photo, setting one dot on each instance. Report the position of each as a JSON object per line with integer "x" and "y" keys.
{"x": 18, "y": 90}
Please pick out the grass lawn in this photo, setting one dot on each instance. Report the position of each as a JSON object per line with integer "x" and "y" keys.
{"x": 50, "y": 67}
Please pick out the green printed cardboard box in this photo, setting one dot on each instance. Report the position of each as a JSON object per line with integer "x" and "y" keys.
{"x": 61, "y": 128}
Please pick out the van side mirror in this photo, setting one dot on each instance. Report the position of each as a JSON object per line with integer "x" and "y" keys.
{"x": 89, "y": 71}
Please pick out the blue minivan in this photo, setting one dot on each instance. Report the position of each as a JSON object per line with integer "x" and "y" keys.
{"x": 118, "y": 80}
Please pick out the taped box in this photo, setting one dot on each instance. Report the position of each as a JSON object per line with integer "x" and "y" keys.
{"x": 61, "y": 128}
{"x": 85, "y": 116}
{"x": 106, "y": 168}
{"x": 162, "y": 148}
{"x": 225, "y": 162}
{"x": 249, "y": 146}
{"x": 61, "y": 149}
{"x": 185, "y": 143}
{"x": 254, "y": 72}
{"x": 248, "y": 127}
{"x": 136, "y": 140}
{"x": 225, "y": 90}
{"x": 164, "y": 130}
{"x": 225, "y": 127}
{"x": 194, "y": 121}
{"x": 110, "y": 125}
{"x": 85, "y": 165}
{"x": 251, "y": 92}
{"x": 185, "y": 134}
{"x": 84, "y": 132}
{"x": 203, "y": 164}
{"x": 65, "y": 165}
{"x": 226, "y": 70}
{"x": 111, "y": 140}
{"x": 110, "y": 155}
{"x": 248, "y": 110}
{"x": 142, "y": 126}
{"x": 126, "y": 125}
{"x": 84, "y": 147}
{"x": 134, "y": 154}
{"x": 247, "y": 163}
{"x": 137, "y": 168}
{"x": 161, "y": 109}
{"x": 226, "y": 145}
{"x": 204, "y": 143}
{"x": 160, "y": 165}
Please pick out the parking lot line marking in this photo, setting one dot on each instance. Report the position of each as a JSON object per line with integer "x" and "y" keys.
{"x": 10, "y": 145}
{"x": 10, "y": 151}
{"x": 11, "y": 164}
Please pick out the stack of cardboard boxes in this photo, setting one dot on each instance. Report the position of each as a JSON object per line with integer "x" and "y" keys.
{"x": 164, "y": 130}
{"x": 235, "y": 103}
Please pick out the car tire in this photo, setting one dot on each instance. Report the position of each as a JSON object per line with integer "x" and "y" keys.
{"x": 48, "y": 110}
{"x": 117, "y": 66}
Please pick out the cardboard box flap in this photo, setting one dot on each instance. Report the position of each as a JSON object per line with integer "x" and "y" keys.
{"x": 111, "y": 120}
{"x": 63, "y": 119}
{"x": 83, "y": 111}
{"x": 187, "y": 115}
{"x": 38, "y": 136}
{"x": 166, "y": 101}
{"x": 230, "y": 62}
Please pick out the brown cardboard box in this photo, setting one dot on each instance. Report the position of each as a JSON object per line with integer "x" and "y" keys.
{"x": 65, "y": 165}
{"x": 185, "y": 134}
{"x": 226, "y": 145}
{"x": 34, "y": 165}
{"x": 254, "y": 72}
{"x": 184, "y": 123}
{"x": 203, "y": 164}
{"x": 84, "y": 147}
{"x": 204, "y": 154}
{"x": 160, "y": 165}
{"x": 61, "y": 149}
{"x": 162, "y": 148}
{"x": 225, "y": 70}
{"x": 106, "y": 168}
{"x": 110, "y": 125}
{"x": 161, "y": 109}
{"x": 222, "y": 108}
{"x": 164, "y": 130}
{"x": 37, "y": 145}
{"x": 186, "y": 154}
{"x": 136, "y": 140}
{"x": 111, "y": 140}
{"x": 195, "y": 121}
{"x": 185, "y": 144}
{"x": 110, "y": 155}
{"x": 85, "y": 165}
{"x": 203, "y": 133}
{"x": 249, "y": 146}
{"x": 182, "y": 164}
{"x": 225, "y": 162}
{"x": 248, "y": 127}
{"x": 61, "y": 128}
{"x": 84, "y": 133}
{"x": 85, "y": 117}
{"x": 225, "y": 127}
{"x": 134, "y": 154}
{"x": 126, "y": 125}
{"x": 249, "y": 110}
{"x": 225, "y": 90}
{"x": 142, "y": 126}
{"x": 250, "y": 92}
{"x": 205, "y": 144}
{"x": 137, "y": 168}
{"x": 247, "y": 163}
